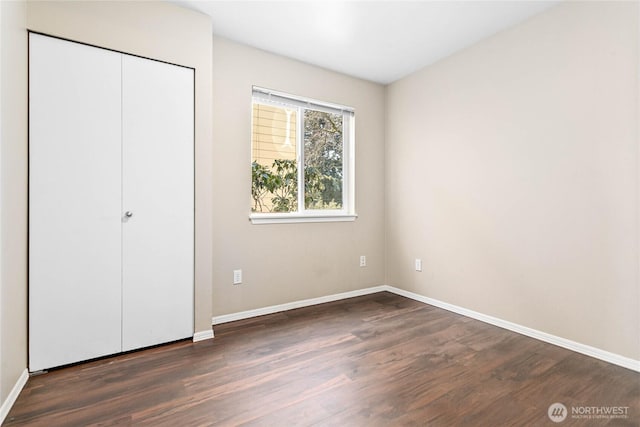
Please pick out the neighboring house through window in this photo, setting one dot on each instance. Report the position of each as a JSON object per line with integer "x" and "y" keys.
{"x": 302, "y": 159}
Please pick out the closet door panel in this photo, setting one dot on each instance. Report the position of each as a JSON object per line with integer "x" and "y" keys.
{"x": 74, "y": 202}
{"x": 158, "y": 187}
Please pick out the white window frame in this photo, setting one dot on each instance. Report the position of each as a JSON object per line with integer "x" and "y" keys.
{"x": 347, "y": 213}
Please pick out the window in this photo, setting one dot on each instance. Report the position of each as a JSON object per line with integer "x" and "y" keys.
{"x": 302, "y": 159}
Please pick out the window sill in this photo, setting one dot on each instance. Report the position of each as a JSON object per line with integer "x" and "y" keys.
{"x": 271, "y": 218}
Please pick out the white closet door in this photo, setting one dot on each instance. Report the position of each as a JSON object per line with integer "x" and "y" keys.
{"x": 74, "y": 202}
{"x": 158, "y": 174}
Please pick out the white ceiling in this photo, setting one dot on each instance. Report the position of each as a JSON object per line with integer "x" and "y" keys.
{"x": 381, "y": 41}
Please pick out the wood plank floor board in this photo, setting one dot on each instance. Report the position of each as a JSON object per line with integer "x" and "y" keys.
{"x": 375, "y": 360}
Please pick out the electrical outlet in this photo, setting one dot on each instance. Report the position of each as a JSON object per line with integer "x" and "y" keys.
{"x": 363, "y": 261}
{"x": 418, "y": 264}
{"x": 237, "y": 277}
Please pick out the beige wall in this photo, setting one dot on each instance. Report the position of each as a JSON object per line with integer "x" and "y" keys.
{"x": 288, "y": 262}
{"x": 160, "y": 31}
{"x": 13, "y": 191}
{"x": 513, "y": 173}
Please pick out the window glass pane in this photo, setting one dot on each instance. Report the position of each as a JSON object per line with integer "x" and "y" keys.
{"x": 323, "y": 160}
{"x": 273, "y": 169}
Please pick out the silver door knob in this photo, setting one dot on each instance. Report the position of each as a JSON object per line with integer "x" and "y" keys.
{"x": 128, "y": 214}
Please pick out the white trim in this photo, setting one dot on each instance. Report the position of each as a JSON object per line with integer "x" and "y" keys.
{"x": 597, "y": 353}
{"x": 13, "y": 395}
{"x": 349, "y": 166}
{"x": 587, "y": 350}
{"x": 203, "y": 335}
{"x": 287, "y": 218}
{"x": 300, "y": 160}
{"x": 216, "y": 320}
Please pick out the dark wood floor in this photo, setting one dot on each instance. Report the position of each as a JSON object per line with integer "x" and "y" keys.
{"x": 377, "y": 360}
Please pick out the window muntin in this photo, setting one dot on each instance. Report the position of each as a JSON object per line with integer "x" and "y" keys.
{"x": 289, "y": 132}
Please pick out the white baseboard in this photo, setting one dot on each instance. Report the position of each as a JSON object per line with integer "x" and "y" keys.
{"x": 203, "y": 335}
{"x": 216, "y": 320}
{"x": 597, "y": 353}
{"x": 13, "y": 395}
